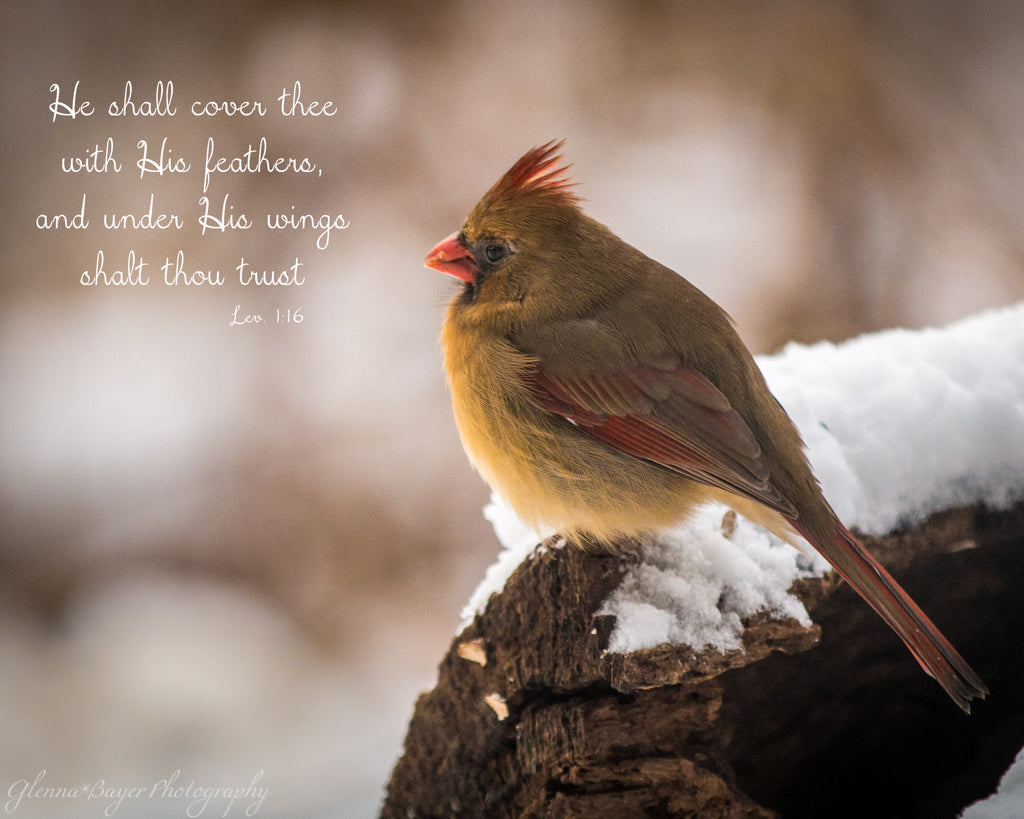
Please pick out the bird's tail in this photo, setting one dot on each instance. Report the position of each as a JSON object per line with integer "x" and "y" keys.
{"x": 928, "y": 645}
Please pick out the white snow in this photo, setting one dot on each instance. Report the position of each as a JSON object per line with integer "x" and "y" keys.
{"x": 1008, "y": 800}
{"x": 695, "y": 584}
{"x": 898, "y": 424}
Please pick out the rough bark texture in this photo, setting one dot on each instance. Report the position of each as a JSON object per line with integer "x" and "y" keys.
{"x": 531, "y": 718}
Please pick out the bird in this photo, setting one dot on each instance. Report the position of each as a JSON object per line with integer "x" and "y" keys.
{"x": 603, "y": 395}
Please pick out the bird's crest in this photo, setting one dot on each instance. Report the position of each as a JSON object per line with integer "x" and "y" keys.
{"x": 538, "y": 172}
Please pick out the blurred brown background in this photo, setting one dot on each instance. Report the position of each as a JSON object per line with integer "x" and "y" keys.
{"x": 237, "y": 549}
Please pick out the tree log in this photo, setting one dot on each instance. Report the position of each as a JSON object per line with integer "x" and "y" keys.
{"x": 531, "y": 717}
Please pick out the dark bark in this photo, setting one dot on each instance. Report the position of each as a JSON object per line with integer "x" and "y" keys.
{"x": 530, "y": 718}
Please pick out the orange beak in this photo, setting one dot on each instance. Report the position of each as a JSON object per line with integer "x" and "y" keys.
{"x": 450, "y": 256}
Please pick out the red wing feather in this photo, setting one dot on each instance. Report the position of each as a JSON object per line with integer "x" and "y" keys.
{"x": 672, "y": 417}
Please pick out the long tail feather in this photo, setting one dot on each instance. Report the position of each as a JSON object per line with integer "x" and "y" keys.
{"x": 928, "y": 645}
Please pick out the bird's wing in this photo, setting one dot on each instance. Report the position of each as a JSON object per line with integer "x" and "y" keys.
{"x": 672, "y": 416}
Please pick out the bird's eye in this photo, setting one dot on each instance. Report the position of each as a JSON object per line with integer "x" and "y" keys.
{"x": 495, "y": 253}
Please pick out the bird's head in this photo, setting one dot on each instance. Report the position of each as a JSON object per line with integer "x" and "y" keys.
{"x": 526, "y": 250}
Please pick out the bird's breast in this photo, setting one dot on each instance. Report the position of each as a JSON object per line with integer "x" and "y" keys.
{"x": 550, "y": 471}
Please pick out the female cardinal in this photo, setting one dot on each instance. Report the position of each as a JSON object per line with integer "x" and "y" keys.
{"x": 602, "y": 394}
